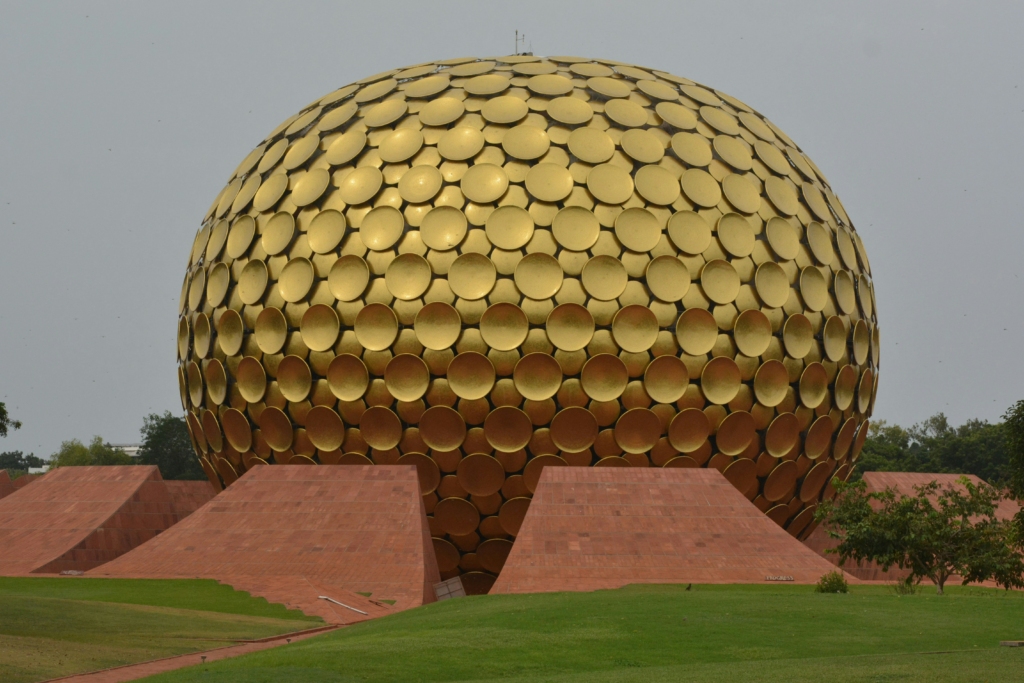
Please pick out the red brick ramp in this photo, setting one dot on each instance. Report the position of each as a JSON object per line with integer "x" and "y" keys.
{"x": 595, "y": 528}
{"x": 904, "y": 482}
{"x": 77, "y": 518}
{"x": 293, "y": 533}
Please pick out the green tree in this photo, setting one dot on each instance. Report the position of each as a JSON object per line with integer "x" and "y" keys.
{"x": 18, "y": 462}
{"x": 166, "y": 444}
{"x": 1014, "y": 421}
{"x": 934, "y": 534}
{"x": 6, "y": 423}
{"x": 74, "y": 453}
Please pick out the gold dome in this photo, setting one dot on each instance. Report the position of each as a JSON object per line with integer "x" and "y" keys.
{"x": 483, "y": 267}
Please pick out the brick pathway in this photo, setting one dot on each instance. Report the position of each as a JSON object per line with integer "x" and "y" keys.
{"x": 132, "y": 672}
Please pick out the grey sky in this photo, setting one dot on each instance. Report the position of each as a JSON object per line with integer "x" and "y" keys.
{"x": 120, "y": 122}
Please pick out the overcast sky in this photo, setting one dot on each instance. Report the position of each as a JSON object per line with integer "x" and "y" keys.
{"x": 120, "y": 122}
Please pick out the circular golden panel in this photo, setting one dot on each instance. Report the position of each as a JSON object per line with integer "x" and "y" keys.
{"x": 471, "y": 266}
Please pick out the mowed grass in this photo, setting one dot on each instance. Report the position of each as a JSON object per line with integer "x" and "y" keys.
{"x": 52, "y": 627}
{"x": 651, "y": 634}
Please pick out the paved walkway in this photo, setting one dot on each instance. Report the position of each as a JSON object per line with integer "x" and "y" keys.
{"x": 132, "y": 672}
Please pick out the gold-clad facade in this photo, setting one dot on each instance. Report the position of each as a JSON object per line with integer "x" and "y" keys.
{"x": 485, "y": 267}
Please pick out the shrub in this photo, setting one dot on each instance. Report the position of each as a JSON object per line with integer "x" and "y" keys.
{"x": 832, "y": 582}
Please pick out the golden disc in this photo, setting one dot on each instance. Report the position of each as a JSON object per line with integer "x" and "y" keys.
{"x": 211, "y": 430}
{"x": 443, "y": 228}
{"x": 575, "y": 228}
{"x": 574, "y": 429}
{"x": 425, "y": 87}
{"x": 604, "y": 277}
{"x": 310, "y": 186}
{"x": 381, "y": 228}
{"x": 811, "y": 487}
{"x": 736, "y": 235}
{"x": 420, "y": 184}
{"x": 217, "y": 284}
{"x": 637, "y": 229}
{"x": 845, "y": 387}
{"x": 237, "y": 430}
{"x": 861, "y": 342}
{"x": 813, "y": 385}
{"x": 733, "y": 152}
{"x": 484, "y": 183}
{"x": 657, "y": 185}
{"x": 380, "y": 428}
{"x": 844, "y": 439}
{"x": 294, "y": 378}
{"x": 781, "y": 481}
{"x": 406, "y": 377}
{"x": 426, "y": 471}
{"x": 509, "y": 227}
{"x": 719, "y": 120}
{"x": 864, "y": 391}
{"x": 697, "y": 331}
{"x": 276, "y": 429}
{"x": 361, "y": 185}
{"x": 376, "y": 327}
{"x": 345, "y": 147}
{"x": 493, "y": 553}
{"x": 735, "y": 433}
{"x": 240, "y": 236}
{"x": 408, "y": 277}
{"x": 692, "y": 148}
{"x": 504, "y": 109}
{"x": 513, "y": 511}
{"x": 251, "y": 379}
{"x": 610, "y": 184}
{"x": 487, "y": 84}
{"x": 752, "y": 332}
{"x": 216, "y": 381}
{"x": 771, "y": 383}
{"x": 550, "y": 84}
{"x": 442, "y": 111}
{"x": 461, "y": 143}
{"x": 197, "y": 289}
{"x": 537, "y": 376}
{"x": 666, "y": 379}
{"x": 642, "y": 146}
{"x": 252, "y": 282}
{"x": 625, "y": 113}
{"x": 348, "y": 278}
{"x": 690, "y": 232}
{"x": 504, "y": 326}
{"x": 772, "y": 284}
{"x": 720, "y": 281}
{"x": 783, "y": 238}
{"x": 701, "y": 187}
{"x": 201, "y": 335}
{"x": 324, "y": 428}
{"x": 637, "y": 430}
{"x": 538, "y": 275}
{"x": 230, "y": 330}
{"x": 819, "y": 437}
{"x": 676, "y": 115}
{"x": 590, "y": 145}
{"x": 442, "y": 429}
{"x": 471, "y": 276}
{"x": 635, "y": 328}
{"x": 271, "y": 330}
{"x": 813, "y": 288}
{"x": 272, "y": 189}
{"x": 846, "y": 297}
{"x": 325, "y": 231}
{"x": 668, "y": 278}
{"x": 549, "y": 182}
{"x": 347, "y": 377}
{"x": 400, "y": 145}
{"x": 689, "y": 430}
{"x": 820, "y": 242}
{"x": 508, "y": 429}
{"x": 480, "y": 474}
{"x": 437, "y": 325}
{"x": 834, "y": 338}
{"x": 570, "y": 110}
{"x": 609, "y": 87}
{"x": 782, "y": 435}
{"x": 296, "y": 279}
{"x": 319, "y": 327}
{"x": 782, "y": 195}
{"x": 525, "y": 142}
{"x": 604, "y": 377}
{"x": 471, "y": 375}
{"x": 798, "y": 335}
{"x": 720, "y": 380}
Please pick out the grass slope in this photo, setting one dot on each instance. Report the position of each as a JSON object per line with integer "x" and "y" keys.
{"x": 53, "y": 627}
{"x": 650, "y": 634}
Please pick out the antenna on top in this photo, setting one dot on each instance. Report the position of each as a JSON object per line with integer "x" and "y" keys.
{"x": 518, "y": 40}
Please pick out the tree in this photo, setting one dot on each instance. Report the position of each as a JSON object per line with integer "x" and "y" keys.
{"x": 74, "y": 453}
{"x": 936, "y": 533}
{"x": 6, "y": 423}
{"x": 18, "y": 461}
{"x": 166, "y": 444}
{"x": 1014, "y": 418}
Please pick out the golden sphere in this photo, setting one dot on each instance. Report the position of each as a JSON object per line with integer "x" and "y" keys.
{"x": 485, "y": 267}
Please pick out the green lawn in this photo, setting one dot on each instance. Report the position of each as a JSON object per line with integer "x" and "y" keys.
{"x": 53, "y": 627}
{"x": 651, "y": 634}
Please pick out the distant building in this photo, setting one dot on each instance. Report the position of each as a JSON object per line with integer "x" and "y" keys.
{"x": 129, "y": 449}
